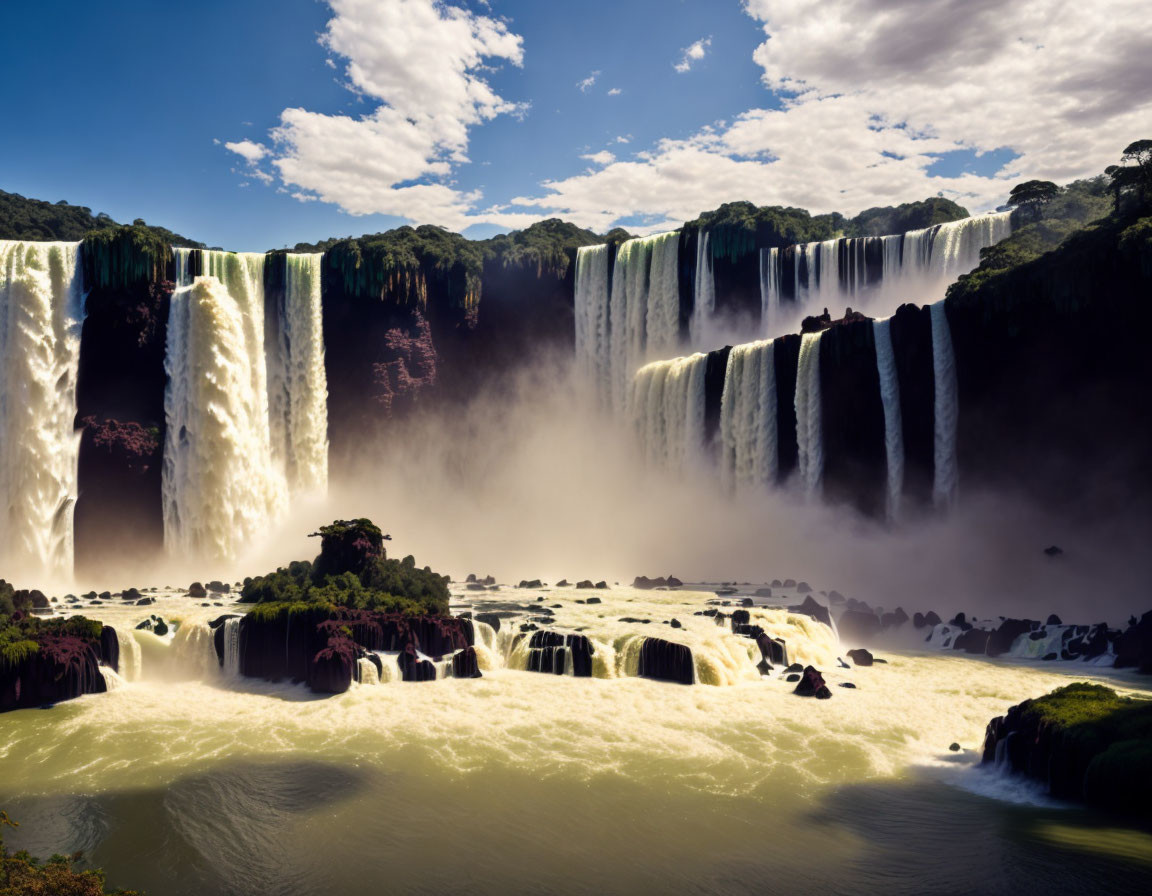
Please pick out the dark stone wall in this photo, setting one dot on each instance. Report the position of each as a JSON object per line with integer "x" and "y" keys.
{"x": 912, "y": 348}
{"x": 786, "y": 355}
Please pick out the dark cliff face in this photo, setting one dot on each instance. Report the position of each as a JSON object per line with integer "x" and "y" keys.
{"x": 120, "y": 404}
{"x": 786, "y": 354}
{"x": 912, "y": 349}
{"x": 855, "y": 462}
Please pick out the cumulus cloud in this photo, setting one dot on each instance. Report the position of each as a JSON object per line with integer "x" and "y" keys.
{"x": 251, "y": 151}
{"x": 615, "y": 91}
{"x": 871, "y": 93}
{"x": 692, "y": 54}
{"x": 600, "y": 158}
{"x": 421, "y": 64}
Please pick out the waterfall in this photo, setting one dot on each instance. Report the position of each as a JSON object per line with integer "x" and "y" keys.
{"x": 704, "y": 294}
{"x": 297, "y": 382}
{"x": 193, "y": 652}
{"x": 591, "y": 307}
{"x": 41, "y": 315}
{"x": 809, "y": 419}
{"x": 131, "y": 656}
{"x": 232, "y": 647}
{"x": 220, "y": 485}
{"x": 893, "y": 423}
{"x": 836, "y": 274}
{"x": 748, "y": 424}
{"x": 945, "y": 476}
{"x": 668, "y": 409}
{"x": 769, "y": 288}
{"x": 643, "y": 309}
{"x": 367, "y": 671}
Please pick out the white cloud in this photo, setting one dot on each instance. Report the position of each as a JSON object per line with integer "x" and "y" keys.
{"x": 615, "y": 91}
{"x": 251, "y": 151}
{"x": 873, "y": 92}
{"x": 588, "y": 82}
{"x": 692, "y": 54}
{"x": 600, "y": 158}
{"x": 421, "y": 64}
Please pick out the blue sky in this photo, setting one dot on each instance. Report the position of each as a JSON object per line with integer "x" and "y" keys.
{"x": 126, "y": 106}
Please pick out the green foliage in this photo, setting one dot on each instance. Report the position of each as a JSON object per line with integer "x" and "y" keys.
{"x": 20, "y": 638}
{"x": 1033, "y": 192}
{"x": 35, "y": 219}
{"x": 547, "y": 246}
{"x": 1070, "y": 211}
{"x": 119, "y": 257}
{"x": 902, "y": 218}
{"x": 352, "y": 571}
{"x": 737, "y": 228}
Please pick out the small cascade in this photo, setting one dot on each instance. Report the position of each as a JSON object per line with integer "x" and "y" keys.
{"x": 644, "y": 308}
{"x": 591, "y": 309}
{"x": 112, "y": 679}
{"x": 193, "y": 652}
{"x": 232, "y": 648}
{"x": 220, "y": 484}
{"x": 367, "y": 671}
{"x": 769, "y": 288}
{"x": 748, "y": 421}
{"x": 131, "y": 656}
{"x": 704, "y": 293}
{"x": 297, "y": 382}
{"x": 41, "y": 315}
{"x": 893, "y": 423}
{"x": 945, "y": 475}
{"x": 809, "y": 416}
{"x": 390, "y": 667}
{"x": 668, "y": 408}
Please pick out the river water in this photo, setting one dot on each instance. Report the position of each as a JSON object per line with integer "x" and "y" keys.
{"x": 183, "y": 781}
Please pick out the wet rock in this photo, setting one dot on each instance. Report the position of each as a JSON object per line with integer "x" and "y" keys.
{"x": 740, "y": 616}
{"x": 860, "y": 656}
{"x": 764, "y": 667}
{"x": 476, "y": 586}
{"x": 930, "y": 618}
{"x": 603, "y": 586}
{"x": 763, "y": 592}
{"x": 197, "y": 590}
{"x": 675, "y": 623}
{"x": 792, "y": 677}
{"x": 794, "y": 667}
{"x": 130, "y": 594}
{"x": 585, "y": 584}
{"x": 1000, "y": 641}
{"x": 974, "y": 640}
{"x": 1134, "y": 645}
{"x": 1050, "y": 656}
{"x": 789, "y": 583}
{"x": 776, "y": 583}
{"x": 593, "y": 600}
{"x": 895, "y": 619}
{"x": 489, "y": 619}
{"x": 1053, "y": 619}
{"x": 471, "y": 578}
{"x": 960, "y": 621}
{"x": 803, "y": 588}
{"x": 815, "y": 609}
{"x": 835, "y": 597}
{"x": 666, "y": 661}
{"x": 563, "y": 583}
{"x": 674, "y": 582}
{"x": 550, "y": 652}
{"x": 811, "y": 684}
{"x": 145, "y": 601}
{"x": 954, "y": 747}
{"x": 218, "y": 587}
{"x": 465, "y": 665}
{"x": 412, "y": 668}
{"x": 533, "y": 583}
{"x": 847, "y": 684}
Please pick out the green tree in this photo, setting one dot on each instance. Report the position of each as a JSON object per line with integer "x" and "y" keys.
{"x": 1033, "y": 195}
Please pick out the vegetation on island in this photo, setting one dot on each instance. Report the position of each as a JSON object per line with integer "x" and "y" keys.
{"x": 21, "y": 874}
{"x": 352, "y": 571}
{"x": 1086, "y": 742}
{"x": 22, "y": 633}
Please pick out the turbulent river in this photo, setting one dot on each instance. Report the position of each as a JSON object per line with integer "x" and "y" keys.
{"x": 182, "y": 780}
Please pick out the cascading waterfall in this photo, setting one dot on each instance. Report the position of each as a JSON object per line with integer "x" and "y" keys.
{"x": 297, "y": 382}
{"x": 643, "y": 309}
{"x": 220, "y": 484}
{"x": 131, "y": 656}
{"x": 809, "y": 416}
{"x": 893, "y": 422}
{"x": 592, "y": 301}
{"x": 232, "y": 647}
{"x": 704, "y": 293}
{"x": 874, "y": 274}
{"x": 945, "y": 476}
{"x": 41, "y": 315}
{"x": 668, "y": 408}
{"x": 748, "y": 423}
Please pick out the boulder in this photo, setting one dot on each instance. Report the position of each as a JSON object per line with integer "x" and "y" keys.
{"x": 815, "y": 609}
{"x": 563, "y": 583}
{"x": 847, "y": 684}
{"x": 465, "y": 665}
{"x": 1053, "y": 619}
{"x": 974, "y": 640}
{"x": 533, "y": 583}
{"x": 803, "y": 588}
{"x": 593, "y": 600}
{"x": 585, "y": 584}
{"x": 1134, "y": 646}
{"x": 218, "y": 587}
{"x": 1000, "y": 641}
{"x": 332, "y": 669}
{"x": 666, "y": 661}
{"x": 772, "y": 650}
{"x": 811, "y": 684}
{"x": 860, "y": 656}
{"x": 603, "y": 586}
{"x": 197, "y": 590}
{"x": 763, "y": 592}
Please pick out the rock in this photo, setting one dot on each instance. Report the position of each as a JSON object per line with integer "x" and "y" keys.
{"x": 160, "y": 629}
{"x": 895, "y": 619}
{"x": 1134, "y": 645}
{"x": 197, "y": 590}
{"x": 763, "y": 667}
{"x": 794, "y": 667}
{"x": 763, "y": 592}
{"x": 666, "y": 661}
{"x": 835, "y": 597}
{"x": 815, "y": 609}
{"x": 471, "y": 578}
{"x": 792, "y": 677}
{"x": 675, "y": 623}
{"x": 789, "y": 583}
{"x": 858, "y": 626}
{"x": 475, "y": 586}
{"x": 603, "y": 586}
{"x": 803, "y": 588}
{"x": 490, "y": 619}
{"x": 563, "y": 583}
{"x": 930, "y": 618}
{"x": 860, "y": 656}
{"x": 534, "y": 583}
{"x": 955, "y": 748}
{"x": 593, "y": 600}
{"x": 1000, "y": 641}
{"x": 585, "y": 583}
{"x": 130, "y": 594}
{"x": 847, "y": 684}
{"x": 961, "y": 622}
{"x": 332, "y": 669}
{"x": 974, "y": 640}
{"x": 811, "y": 684}
{"x": 489, "y": 580}
{"x": 674, "y": 582}
{"x": 644, "y": 583}
{"x": 1053, "y": 551}
{"x": 776, "y": 583}
{"x": 145, "y": 626}
{"x": 918, "y": 620}
{"x": 1050, "y": 656}
{"x": 773, "y": 650}
{"x": 218, "y": 587}
{"x": 38, "y": 601}
{"x": 465, "y": 665}
{"x": 412, "y": 668}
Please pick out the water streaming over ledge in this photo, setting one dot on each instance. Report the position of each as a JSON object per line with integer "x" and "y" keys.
{"x": 809, "y": 416}
{"x": 893, "y": 421}
{"x": 41, "y": 315}
{"x": 749, "y": 444}
{"x": 668, "y": 407}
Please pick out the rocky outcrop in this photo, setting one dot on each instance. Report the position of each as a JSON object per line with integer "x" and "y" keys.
{"x": 666, "y": 661}
{"x": 811, "y": 684}
{"x": 550, "y": 652}
{"x": 61, "y": 667}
